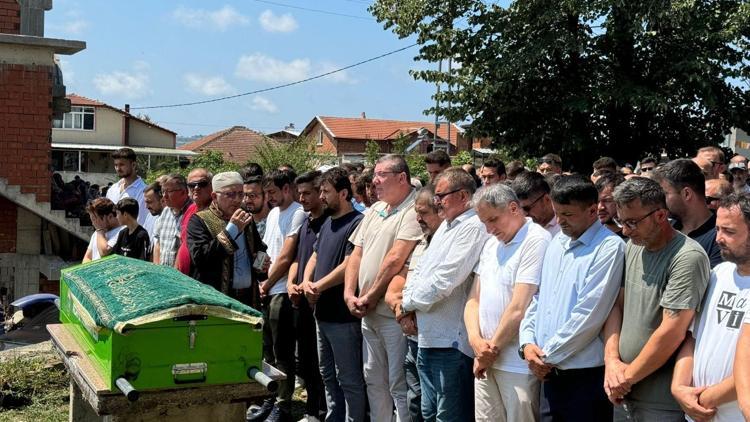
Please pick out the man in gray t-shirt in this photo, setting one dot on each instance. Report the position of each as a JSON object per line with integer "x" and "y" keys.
{"x": 666, "y": 275}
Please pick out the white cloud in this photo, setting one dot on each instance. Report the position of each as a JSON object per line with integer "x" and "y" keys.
{"x": 207, "y": 85}
{"x": 131, "y": 84}
{"x": 277, "y": 23}
{"x": 220, "y": 19}
{"x": 259, "y": 67}
{"x": 263, "y": 104}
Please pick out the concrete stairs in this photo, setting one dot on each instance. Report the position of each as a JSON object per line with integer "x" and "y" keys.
{"x": 44, "y": 210}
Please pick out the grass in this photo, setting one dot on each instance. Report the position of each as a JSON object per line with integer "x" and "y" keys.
{"x": 31, "y": 389}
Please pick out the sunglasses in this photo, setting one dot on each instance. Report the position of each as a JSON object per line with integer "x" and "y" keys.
{"x": 202, "y": 184}
{"x": 710, "y": 199}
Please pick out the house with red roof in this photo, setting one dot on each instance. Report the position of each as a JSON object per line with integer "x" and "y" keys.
{"x": 347, "y": 137}
{"x": 237, "y": 144}
{"x": 84, "y": 138}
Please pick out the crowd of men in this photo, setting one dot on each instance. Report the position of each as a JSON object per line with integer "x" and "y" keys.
{"x": 504, "y": 294}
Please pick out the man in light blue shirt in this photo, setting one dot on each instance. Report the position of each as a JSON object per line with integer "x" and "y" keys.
{"x": 580, "y": 280}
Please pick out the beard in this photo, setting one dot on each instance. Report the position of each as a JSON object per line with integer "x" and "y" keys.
{"x": 737, "y": 257}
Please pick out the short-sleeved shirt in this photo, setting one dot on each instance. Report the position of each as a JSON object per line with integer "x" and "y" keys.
{"x": 308, "y": 235}
{"x": 111, "y": 236}
{"x": 705, "y": 235}
{"x": 717, "y": 329}
{"x": 377, "y": 233}
{"x": 279, "y": 226}
{"x": 674, "y": 277}
{"x": 133, "y": 245}
{"x": 332, "y": 247}
{"x": 500, "y": 267}
{"x": 134, "y": 190}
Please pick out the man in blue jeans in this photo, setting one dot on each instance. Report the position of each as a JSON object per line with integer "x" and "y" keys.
{"x": 437, "y": 292}
{"x": 339, "y": 332}
{"x": 429, "y": 221}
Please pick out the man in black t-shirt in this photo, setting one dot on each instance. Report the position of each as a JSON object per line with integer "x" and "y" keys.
{"x": 338, "y": 329}
{"x": 133, "y": 241}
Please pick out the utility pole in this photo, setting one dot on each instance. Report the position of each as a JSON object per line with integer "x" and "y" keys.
{"x": 437, "y": 107}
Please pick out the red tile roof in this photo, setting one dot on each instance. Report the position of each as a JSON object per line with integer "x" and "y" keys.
{"x": 78, "y": 100}
{"x": 378, "y": 129}
{"x": 236, "y": 143}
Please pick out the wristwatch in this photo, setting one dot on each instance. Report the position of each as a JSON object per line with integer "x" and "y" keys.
{"x": 520, "y": 351}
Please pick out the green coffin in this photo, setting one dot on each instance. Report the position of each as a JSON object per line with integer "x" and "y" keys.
{"x": 156, "y": 327}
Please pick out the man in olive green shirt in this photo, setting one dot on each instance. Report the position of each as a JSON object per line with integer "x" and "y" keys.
{"x": 666, "y": 275}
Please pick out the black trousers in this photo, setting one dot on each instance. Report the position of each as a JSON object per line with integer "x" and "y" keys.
{"x": 575, "y": 395}
{"x": 278, "y": 343}
{"x": 307, "y": 353}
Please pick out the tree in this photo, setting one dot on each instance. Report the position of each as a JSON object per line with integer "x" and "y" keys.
{"x": 372, "y": 152}
{"x": 211, "y": 160}
{"x": 586, "y": 78}
{"x": 300, "y": 153}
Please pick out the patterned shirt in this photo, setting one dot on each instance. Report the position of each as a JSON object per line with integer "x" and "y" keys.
{"x": 167, "y": 233}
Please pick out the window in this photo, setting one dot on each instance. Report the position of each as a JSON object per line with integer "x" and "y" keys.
{"x": 320, "y": 137}
{"x": 79, "y": 118}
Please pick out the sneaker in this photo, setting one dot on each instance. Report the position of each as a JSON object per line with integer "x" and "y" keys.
{"x": 260, "y": 413}
{"x": 309, "y": 418}
{"x": 279, "y": 415}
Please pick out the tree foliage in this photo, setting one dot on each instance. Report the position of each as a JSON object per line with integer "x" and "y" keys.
{"x": 372, "y": 152}
{"x": 211, "y": 160}
{"x": 300, "y": 153}
{"x": 585, "y": 78}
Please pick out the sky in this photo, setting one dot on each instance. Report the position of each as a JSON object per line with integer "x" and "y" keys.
{"x": 148, "y": 53}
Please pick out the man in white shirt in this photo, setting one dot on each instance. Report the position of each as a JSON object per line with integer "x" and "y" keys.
{"x": 702, "y": 382}
{"x": 437, "y": 294}
{"x": 532, "y": 191}
{"x": 104, "y": 220}
{"x": 282, "y": 228}
{"x": 507, "y": 277}
{"x": 130, "y": 185}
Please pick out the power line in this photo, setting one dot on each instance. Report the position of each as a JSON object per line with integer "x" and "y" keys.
{"x": 307, "y": 9}
{"x": 273, "y": 88}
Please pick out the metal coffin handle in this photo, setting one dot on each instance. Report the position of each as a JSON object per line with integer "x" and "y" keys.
{"x": 262, "y": 379}
{"x": 188, "y": 373}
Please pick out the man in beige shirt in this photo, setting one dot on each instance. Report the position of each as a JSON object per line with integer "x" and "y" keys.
{"x": 382, "y": 243}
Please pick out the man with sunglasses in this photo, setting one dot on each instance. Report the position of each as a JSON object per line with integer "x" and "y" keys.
{"x": 560, "y": 332}
{"x": 666, "y": 275}
{"x": 715, "y": 157}
{"x": 199, "y": 189}
{"x": 532, "y": 191}
{"x": 684, "y": 186}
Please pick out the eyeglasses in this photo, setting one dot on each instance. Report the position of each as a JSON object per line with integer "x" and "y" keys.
{"x": 632, "y": 224}
{"x": 715, "y": 163}
{"x": 645, "y": 169}
{"x": 528, "y": 207}
{"x": 202, "y": 184}
{"x": 232, "y": 194}
{"x": 440, "y": 196}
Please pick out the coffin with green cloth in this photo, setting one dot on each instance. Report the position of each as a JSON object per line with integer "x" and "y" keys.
{"x": 147, "y": 326}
